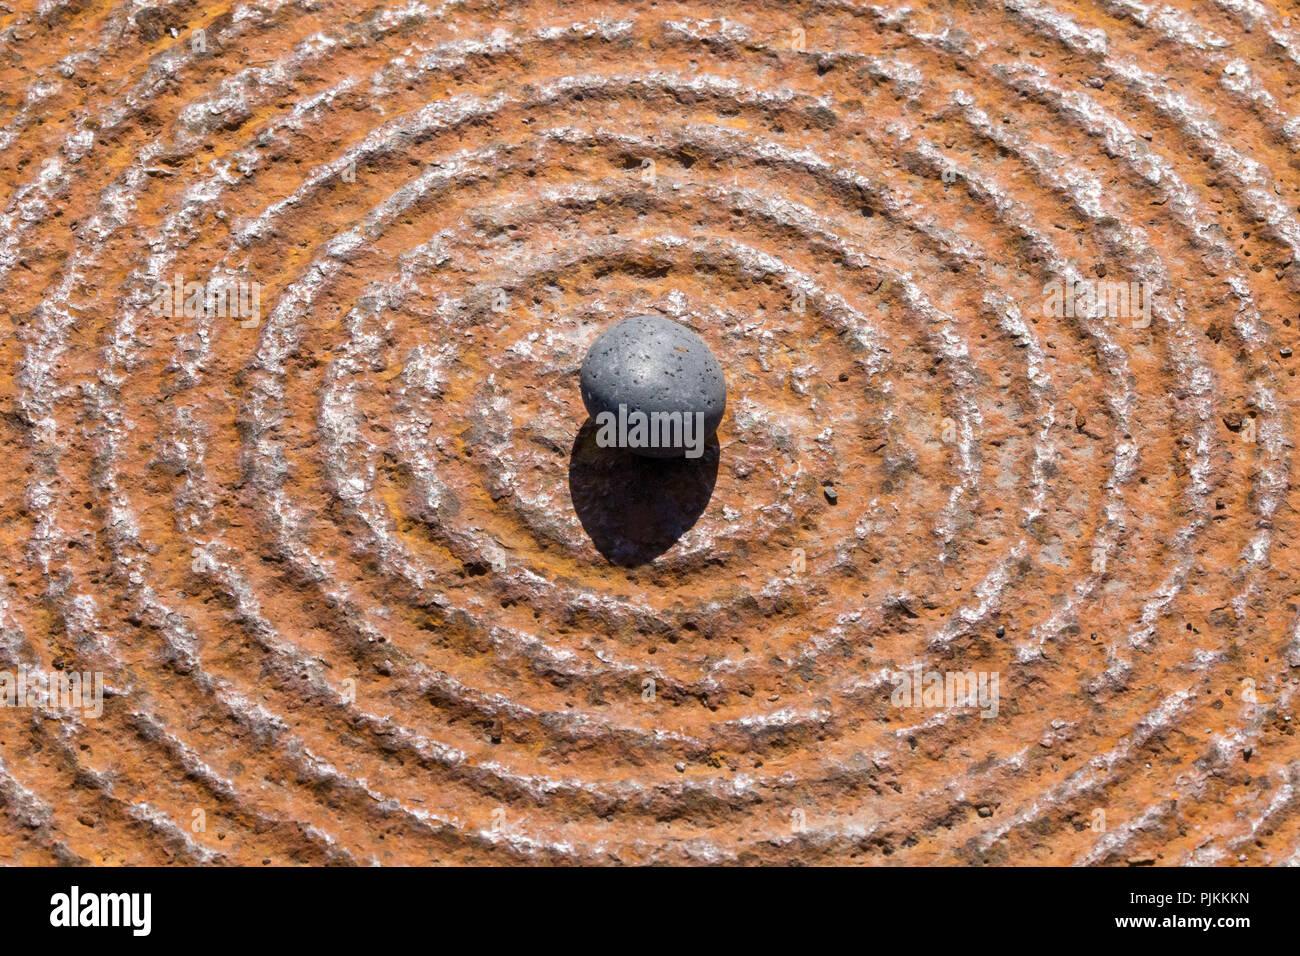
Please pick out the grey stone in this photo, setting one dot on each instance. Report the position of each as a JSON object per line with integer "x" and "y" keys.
{"x": 651, "y": 364}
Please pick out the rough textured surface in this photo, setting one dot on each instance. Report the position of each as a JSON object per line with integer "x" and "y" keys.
{"x": 354, "y": 580}
{"x": 650, "y": 364}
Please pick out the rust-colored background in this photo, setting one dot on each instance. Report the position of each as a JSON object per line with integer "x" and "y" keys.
{"x": 359, "y": 596}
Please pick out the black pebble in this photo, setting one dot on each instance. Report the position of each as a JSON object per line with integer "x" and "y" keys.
{"x": 652, "y": 364}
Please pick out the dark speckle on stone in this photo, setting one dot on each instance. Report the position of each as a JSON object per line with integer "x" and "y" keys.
{"x": 831, "y": 494}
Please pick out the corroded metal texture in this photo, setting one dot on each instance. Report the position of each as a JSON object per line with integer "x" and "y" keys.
{"x": 358, "y": 588}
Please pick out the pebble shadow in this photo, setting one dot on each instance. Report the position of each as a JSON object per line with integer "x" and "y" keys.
{"x": 635, "y": 508}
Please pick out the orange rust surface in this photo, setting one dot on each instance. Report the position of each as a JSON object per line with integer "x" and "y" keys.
{"x": 358, "y": 588}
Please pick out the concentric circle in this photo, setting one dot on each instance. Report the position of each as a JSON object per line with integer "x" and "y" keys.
{"x": 1005, "y": 295}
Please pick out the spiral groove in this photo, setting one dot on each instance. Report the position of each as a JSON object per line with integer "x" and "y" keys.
{"x": 359, "y": 589}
